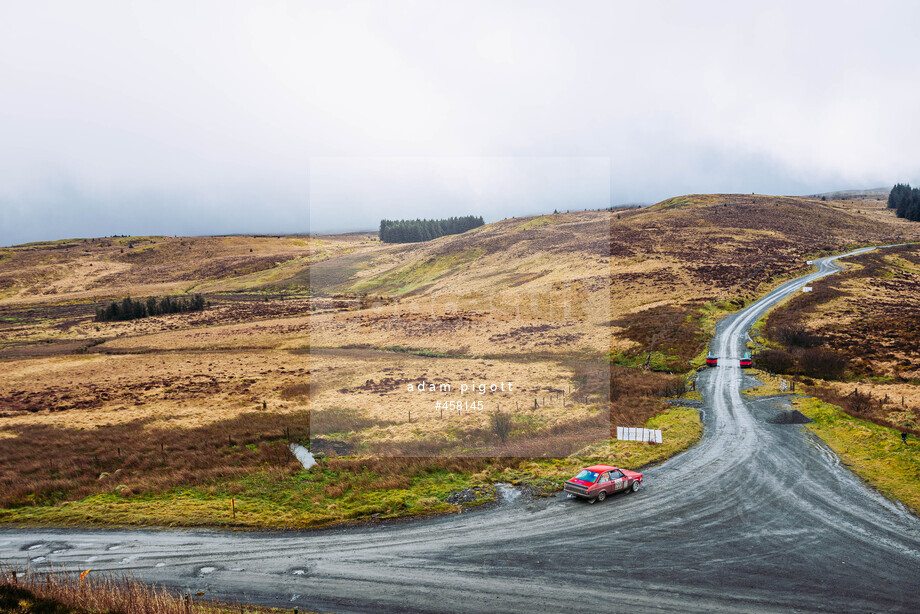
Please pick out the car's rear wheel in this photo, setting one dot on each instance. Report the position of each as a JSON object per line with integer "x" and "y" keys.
{"x": 601, "y": 495}
{"x": 636, "y": 486}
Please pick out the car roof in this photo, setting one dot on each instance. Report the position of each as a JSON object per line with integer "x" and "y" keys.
{"x": 600, "y": 468}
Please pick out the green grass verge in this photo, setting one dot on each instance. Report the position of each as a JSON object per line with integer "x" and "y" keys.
{"x": 874, "y": 453}
{"x": 323, "y": 496}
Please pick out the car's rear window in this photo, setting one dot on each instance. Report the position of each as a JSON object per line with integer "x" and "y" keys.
{"x": 587, "y": 476}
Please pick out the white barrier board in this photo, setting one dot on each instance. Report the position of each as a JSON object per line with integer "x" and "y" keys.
{"x": 638, "y": 434}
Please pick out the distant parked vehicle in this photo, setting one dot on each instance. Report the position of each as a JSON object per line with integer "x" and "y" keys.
{"x": 712, "y": 361}
{"x": 746, "y": 362}
{"x": 596, "y": 482}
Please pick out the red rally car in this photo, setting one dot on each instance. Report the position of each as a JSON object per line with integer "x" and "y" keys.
{"x": 596, "y": 482}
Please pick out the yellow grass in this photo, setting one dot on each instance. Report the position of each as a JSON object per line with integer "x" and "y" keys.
{"x": 385, "y": 397}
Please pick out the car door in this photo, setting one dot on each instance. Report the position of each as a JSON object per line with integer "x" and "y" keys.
{"x": 618, "y": 479}
{"x": 605, "y": 483}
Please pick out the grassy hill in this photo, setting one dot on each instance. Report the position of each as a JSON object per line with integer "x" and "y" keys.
{"x": 585, "y": 313}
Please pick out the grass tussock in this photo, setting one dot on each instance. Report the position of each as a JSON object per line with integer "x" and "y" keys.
{"x": 295, "y": 392}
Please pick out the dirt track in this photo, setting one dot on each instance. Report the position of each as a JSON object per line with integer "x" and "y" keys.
{"x": 758, "y": 517}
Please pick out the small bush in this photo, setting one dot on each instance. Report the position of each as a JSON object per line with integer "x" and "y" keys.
{"x": 500, "y": 425}
{"x": 858, "y": 403}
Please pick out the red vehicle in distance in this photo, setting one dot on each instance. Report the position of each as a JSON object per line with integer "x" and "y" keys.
{"x": 594, "y": 483}
{"x": 746, "y": 362}
{"x": 711, "y": 361}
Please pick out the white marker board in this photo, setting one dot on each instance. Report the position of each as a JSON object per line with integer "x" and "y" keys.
{"x": 638, "y": 434}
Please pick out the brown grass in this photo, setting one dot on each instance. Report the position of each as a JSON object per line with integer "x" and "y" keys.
{"x": 61, "y": 592}
{"x": 534, "y": 302}
{"x": 46, "y": 465}
{"x": 870, "y": 314}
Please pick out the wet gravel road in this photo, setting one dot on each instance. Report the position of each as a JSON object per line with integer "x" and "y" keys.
{"x": 758, "y": 517}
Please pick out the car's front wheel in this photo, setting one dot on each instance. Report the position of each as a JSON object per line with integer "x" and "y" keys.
{"x": 636, "y": 486}
{"x": 601, "y": 495}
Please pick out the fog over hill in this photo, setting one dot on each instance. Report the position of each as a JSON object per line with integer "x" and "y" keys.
{"x": 253, "y": 117}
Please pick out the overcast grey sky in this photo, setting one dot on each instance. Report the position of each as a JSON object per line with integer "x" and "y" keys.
{"x": 201, "y": 117}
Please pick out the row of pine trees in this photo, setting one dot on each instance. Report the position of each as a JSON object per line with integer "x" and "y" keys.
{"x": 413, "y": 231}
{"x": 905, "y": 201}
{"x": 131, "y": 309}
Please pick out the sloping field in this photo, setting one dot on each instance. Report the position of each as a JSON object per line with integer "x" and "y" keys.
{"x": 340, "y": 326}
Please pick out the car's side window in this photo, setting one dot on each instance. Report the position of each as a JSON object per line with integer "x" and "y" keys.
{"x": 604, "y": 477}
{"x": 615, "y": 475}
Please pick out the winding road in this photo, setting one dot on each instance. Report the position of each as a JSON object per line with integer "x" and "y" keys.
{"x": 756, "y": 518}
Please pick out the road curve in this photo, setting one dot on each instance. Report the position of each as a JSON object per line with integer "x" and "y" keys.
{"x": 756, "y": 518}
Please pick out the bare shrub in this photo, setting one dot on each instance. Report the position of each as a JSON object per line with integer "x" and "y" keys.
{"x": 775, "y": 361}
{"x": 858, "y": 403}
{"x": 500, "y": 425}
{"x": 822, "y": 363}
{"x": 797, "y": 335}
